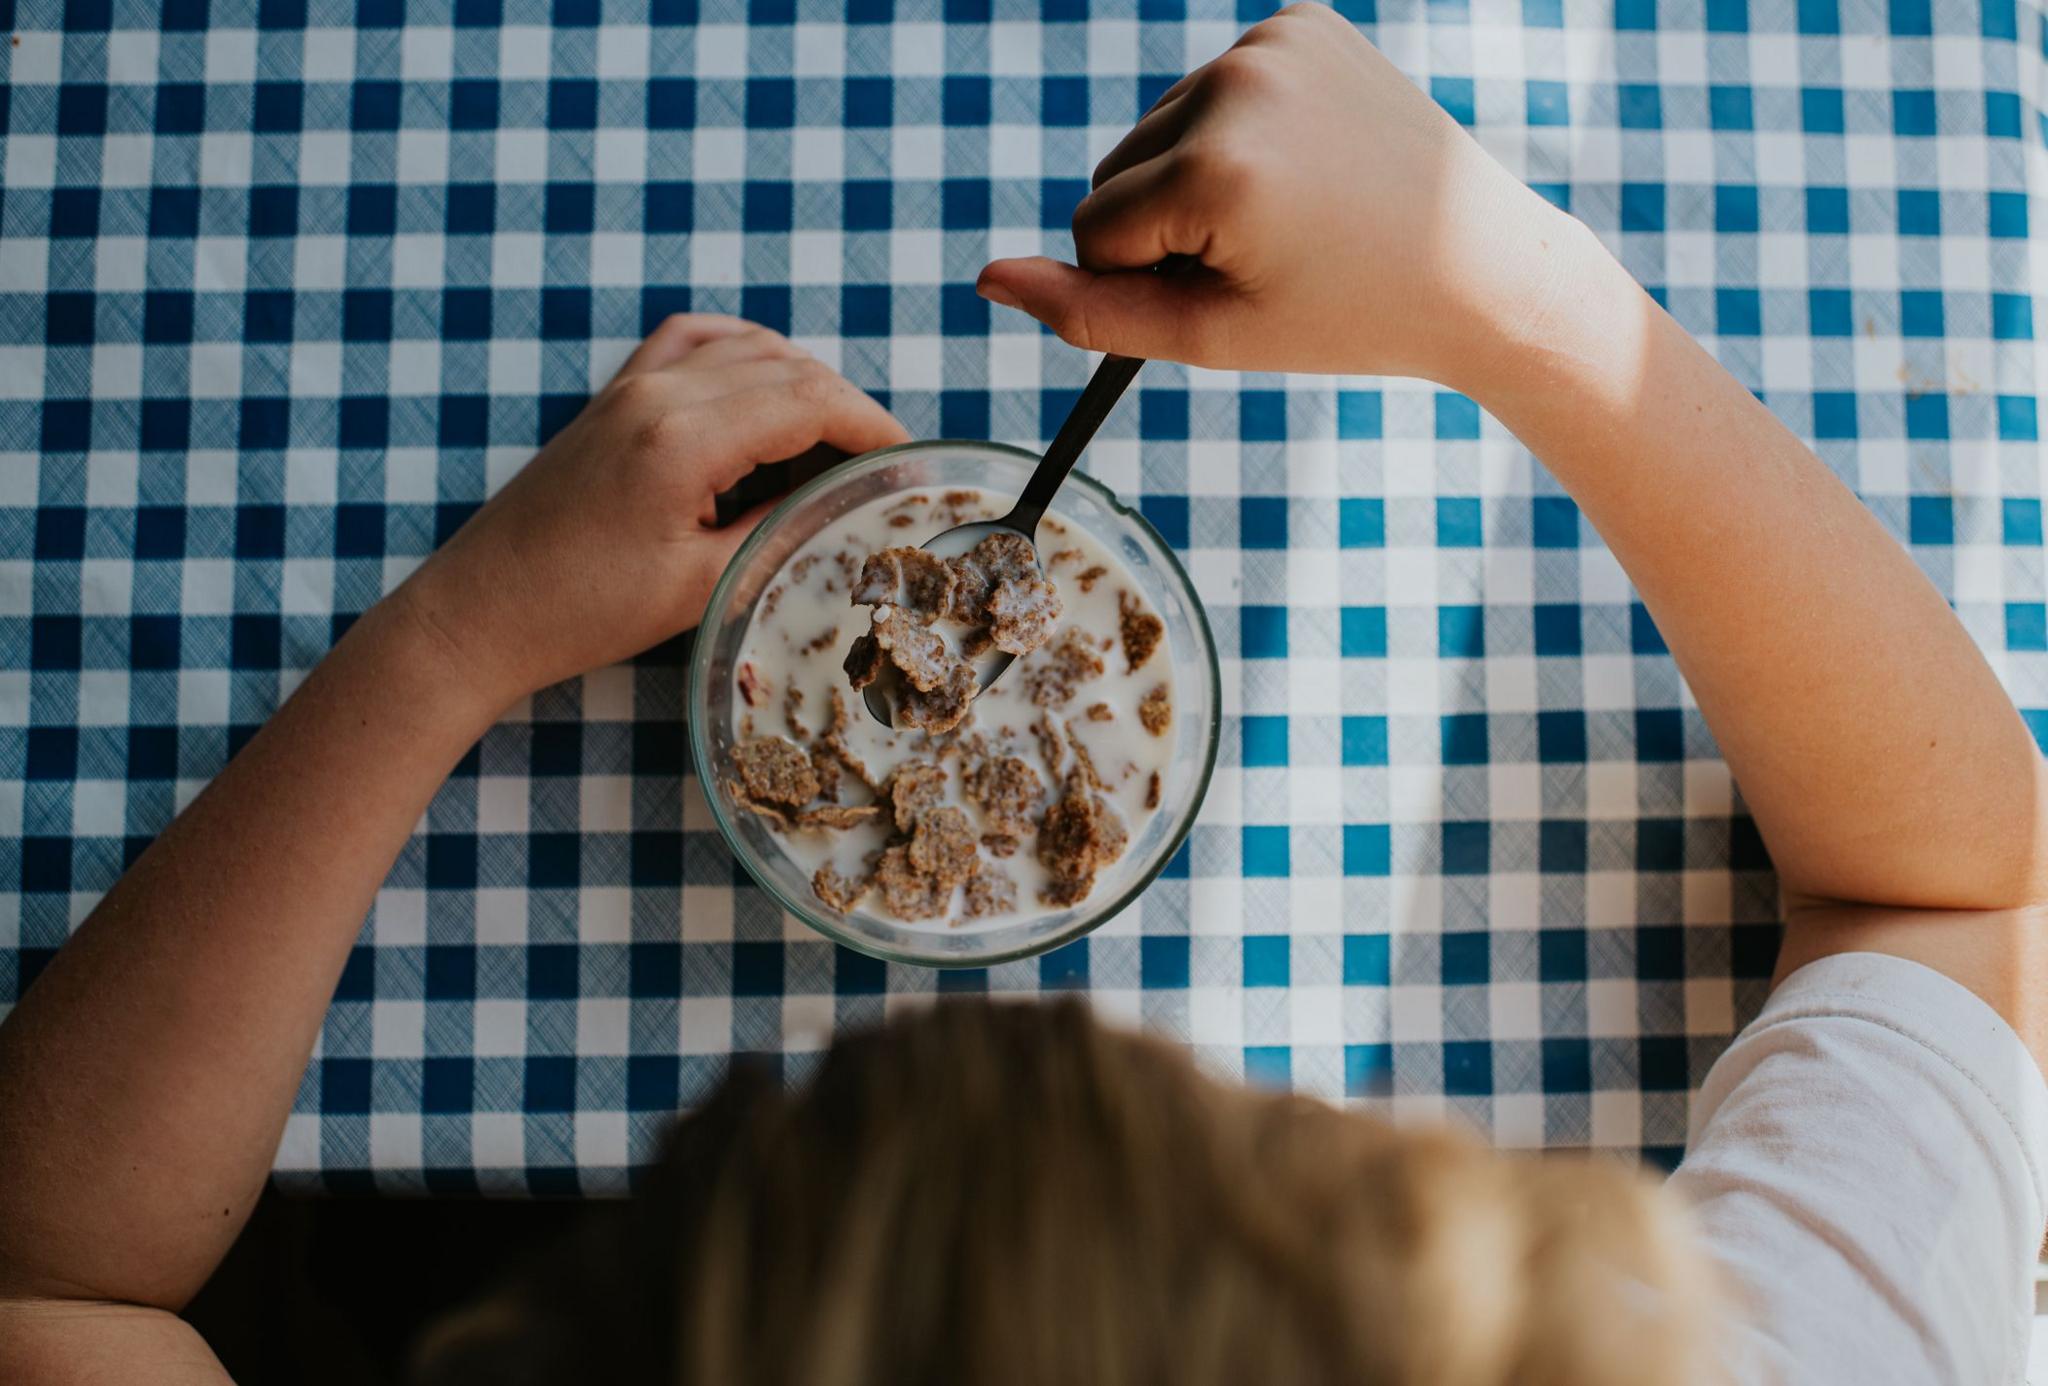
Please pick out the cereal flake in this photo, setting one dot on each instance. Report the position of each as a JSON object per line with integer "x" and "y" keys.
{"x": 1081, "y": 835}
{"x": 776, "y": 771}
{"x": 910, "y": 893}
{"x": 943, "y": 846}
{"x": 1007, "y": 791}
{"x": 1155, "y": 712}
{"x": 841, "y": 892}
{"x": 916, "y": 786}
{"x": 940, "y": 709}
{"x": 1068, "y": 661}
{"x": 989, "y": 892}
{"x": 910, "y": 580}
{"x": 1139, "y": 629}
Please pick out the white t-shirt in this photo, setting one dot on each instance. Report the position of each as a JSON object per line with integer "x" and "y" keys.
{"x": 1869, "y": 1162}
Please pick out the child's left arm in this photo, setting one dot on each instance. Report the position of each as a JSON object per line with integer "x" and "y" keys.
{"x": 145, "y": 1079}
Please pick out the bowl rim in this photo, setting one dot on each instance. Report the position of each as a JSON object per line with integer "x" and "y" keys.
{"x": 696, "y": 693}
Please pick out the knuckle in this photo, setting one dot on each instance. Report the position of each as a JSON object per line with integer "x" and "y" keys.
{"x": 814, "y": 383}
{"x": 1307, "y": 10}
{"x": 703, "y": 320}
{"x": 1247, "y": 71}
{"x": 1293, "y": 25}
{"x": 635, "y": 395}
{"x": 658, "y": 435}
{"x": 1087, "y": 221}
{"x": 1218, "y": 174}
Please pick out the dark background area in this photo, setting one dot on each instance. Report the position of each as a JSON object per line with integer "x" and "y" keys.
{"x": 332, "y": 1290}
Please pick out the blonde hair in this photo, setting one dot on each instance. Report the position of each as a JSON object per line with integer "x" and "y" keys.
{"x": 1007, "y": 1194}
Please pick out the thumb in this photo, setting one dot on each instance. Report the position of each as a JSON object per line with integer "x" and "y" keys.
{"x": 1127, "y": 312}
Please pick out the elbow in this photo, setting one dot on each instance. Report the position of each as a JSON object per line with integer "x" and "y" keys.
{"x": 2030, "y": 869}
{"x": 2002, "y": 862}
{"x": 1998, "y": 860}
{"x": 1966, "y": 845}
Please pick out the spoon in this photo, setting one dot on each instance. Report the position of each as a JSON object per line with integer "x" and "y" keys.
{"x": 1101, "y": 395}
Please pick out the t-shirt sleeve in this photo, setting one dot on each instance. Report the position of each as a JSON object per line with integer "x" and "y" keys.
{"x": 1866, "y": 1163}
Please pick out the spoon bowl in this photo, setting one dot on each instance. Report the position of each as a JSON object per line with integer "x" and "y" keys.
{"x": 880, "y": 696}
{"x": 1104, "y": 388}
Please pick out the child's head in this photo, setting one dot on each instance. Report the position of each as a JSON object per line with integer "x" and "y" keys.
{"x": 1011, "y": 1194}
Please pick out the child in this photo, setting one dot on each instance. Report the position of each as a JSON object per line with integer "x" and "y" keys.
{"x": 1866, "y": 1161}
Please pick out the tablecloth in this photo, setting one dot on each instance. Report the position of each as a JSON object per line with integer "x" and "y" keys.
{"x": 286, "y": 287}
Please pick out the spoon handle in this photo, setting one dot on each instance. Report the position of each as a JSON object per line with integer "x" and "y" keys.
{"x": 1101, "y": 395}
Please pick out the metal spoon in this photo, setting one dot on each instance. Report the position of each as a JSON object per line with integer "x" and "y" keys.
{"x": 1101, "y": 395}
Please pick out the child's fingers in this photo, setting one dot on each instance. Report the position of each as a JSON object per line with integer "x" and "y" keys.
{"x": 1129, "y": 312}
{"x": 1042, "y": 287}
{"x": 754, "y": 344}
{"x": 741, "y": 430}
{"x": 678, "y": 389}
{"x": 1176, "y": 91}
{"x": 704, "y": 558}
{"x": 679, "y": 334}
{"x": 1140, "y": 216}
{"x": 1152, "y": 136}
{"x": 714, "y": 548}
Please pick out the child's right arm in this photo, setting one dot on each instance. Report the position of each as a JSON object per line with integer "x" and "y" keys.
{"x": 1348, "y": 225}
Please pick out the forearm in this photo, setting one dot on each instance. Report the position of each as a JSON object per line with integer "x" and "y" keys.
{"x": 145, "y": 1079}
{"x": 1884, "y": 763}
{"x": 1882, "y": 759}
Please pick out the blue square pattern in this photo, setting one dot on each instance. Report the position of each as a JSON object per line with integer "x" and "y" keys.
{"x": 1359, "y": 414}
{"x": 1361, "y": 523}
{"x": 1454, "y": 94}
{"x": 1821, "y": 110}
{"x": 1458, "y": 522}
{"x": 1365, "y": 740}
{"x": 2026, "y": 626}
{"x": 1362, "y": 632}
{"x": 1642, "y": 207}
{"x": 1830, "y": 313}
{"x": 1266, "y": 960}
{"x": 1267, "y": 851}
{"x": 1639, "y": 106}
{"x": 1262, "y": 522}
{"x": 1549, "y": 103}
{"x": 1735, "y": 208}
{"x": 1381, "y": 565}
{"x": 1827, "y": 211}
{"x": 2002, "y": 115}
{"x": 1461, "y": 631}
{"x": 1265, "y": 741}
{"x": 1730, "y": 108}
{"x": 1269, "y": 1065}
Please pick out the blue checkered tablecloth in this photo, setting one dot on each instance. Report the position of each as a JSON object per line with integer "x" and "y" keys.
{"x": 286, "y": 288}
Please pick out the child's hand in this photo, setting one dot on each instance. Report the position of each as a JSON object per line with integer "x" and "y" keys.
{"x": 603, "y": 545}
{"x": 1346, "y": 223}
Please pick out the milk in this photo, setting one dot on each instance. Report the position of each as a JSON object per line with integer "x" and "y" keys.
{"x": 801, "y": 628}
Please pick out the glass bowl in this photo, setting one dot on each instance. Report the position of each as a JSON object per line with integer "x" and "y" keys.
{"x": 1003, "y": 470}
